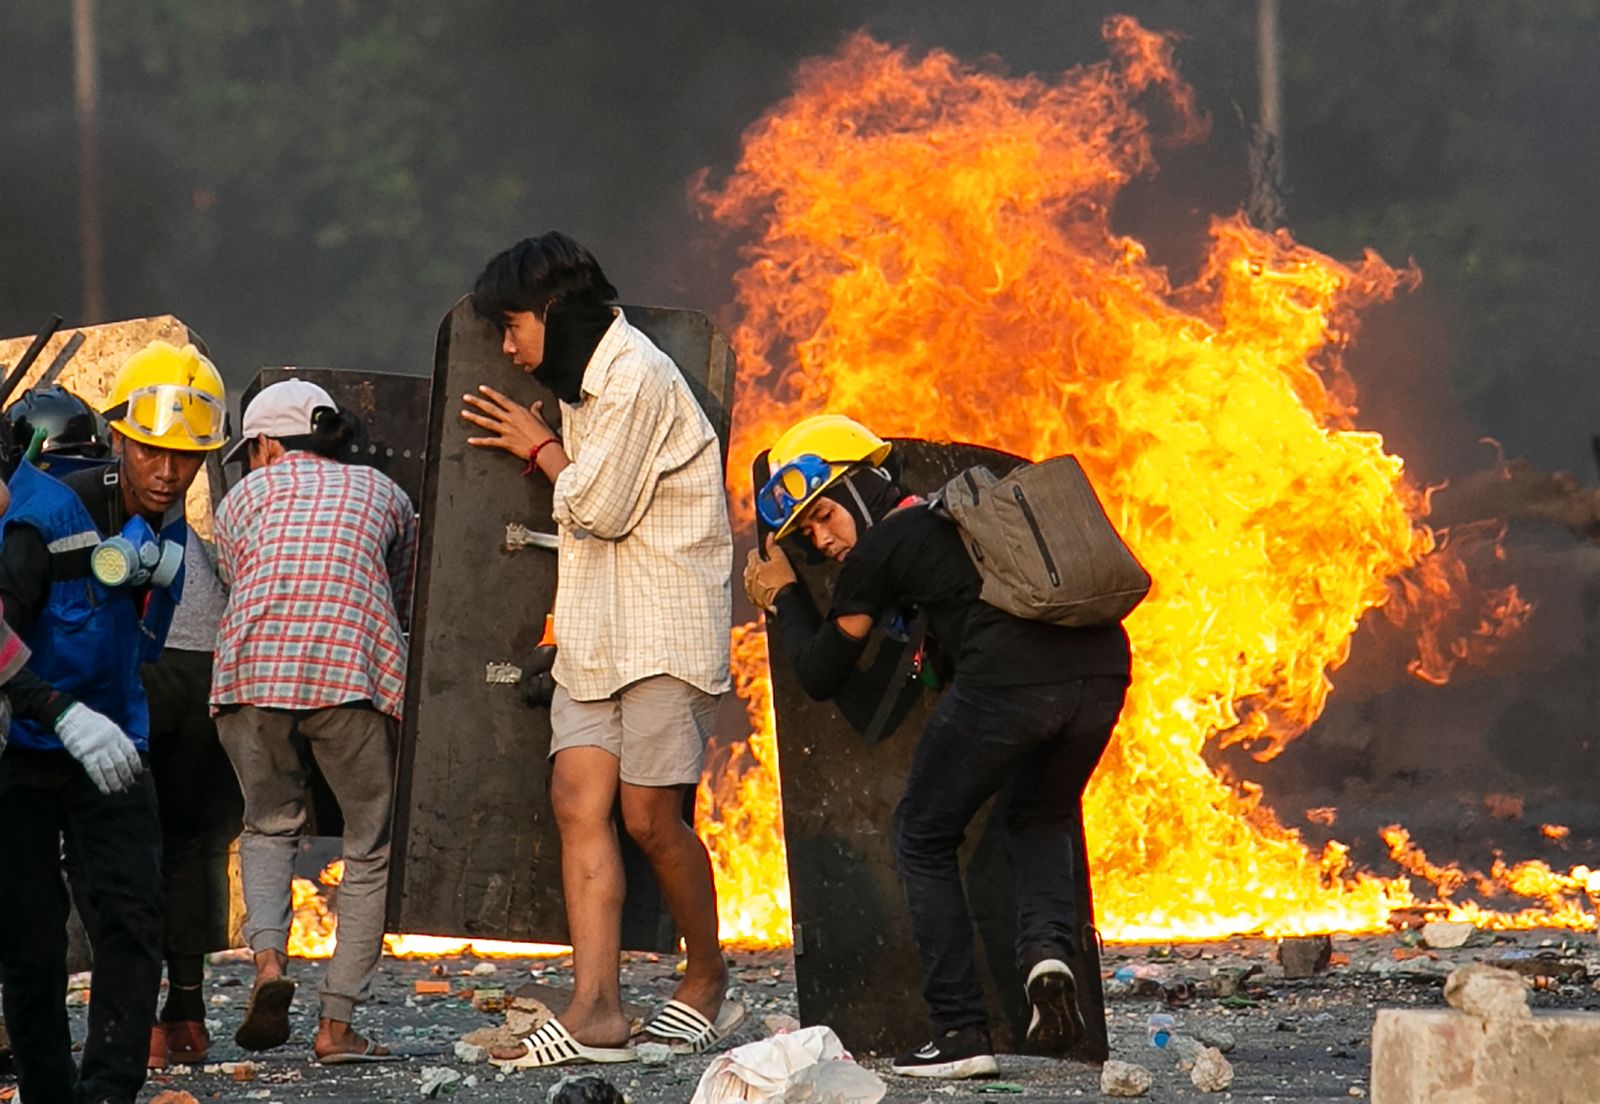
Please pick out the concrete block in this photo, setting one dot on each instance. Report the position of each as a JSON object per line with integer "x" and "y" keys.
{"x": 1446, "y": 1057}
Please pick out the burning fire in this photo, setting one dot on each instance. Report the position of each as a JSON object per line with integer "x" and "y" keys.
{"x": 930, "y": 250}
{"x": 314, "y": 929}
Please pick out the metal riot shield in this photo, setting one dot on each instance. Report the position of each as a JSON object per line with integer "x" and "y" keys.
{"x": 843, "y": 766}
{"x": 393, "y": 413}
{"x": 475, "y": 845}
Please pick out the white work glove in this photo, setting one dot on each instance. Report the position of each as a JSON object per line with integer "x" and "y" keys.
{"x": 107, "y": 755}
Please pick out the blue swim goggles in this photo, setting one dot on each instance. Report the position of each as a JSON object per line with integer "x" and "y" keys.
{"x": 790, "y": 485}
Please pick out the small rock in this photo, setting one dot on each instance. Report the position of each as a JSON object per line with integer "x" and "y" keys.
{"x": 220, "y": 999}
{"x": 1305, "y": 956}
{"x": 469, "y": 1052}
{"x": 1358, "y": 1090}
{"x": 1212, "y": 1072}
{"x": 436, "y": 1080}
{"x": 470, "y": 1081}
{"x": 521, "y": 1021}
{"x": 1186, "y": 1049}
{"x": 1487, "y": 992}
{"x": 779, "y": 1023}
{"x": 583, "y": 1088}
{"x": 485, "y": 969}
{"x": 1216, "y": 1037}
{"x": 1124, "y": 1079}
{"x": 653, "y": 1054}
{"x": 1443, "y": 935}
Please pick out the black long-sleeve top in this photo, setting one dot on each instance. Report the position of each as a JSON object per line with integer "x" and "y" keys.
{"x": 915, "y": 558}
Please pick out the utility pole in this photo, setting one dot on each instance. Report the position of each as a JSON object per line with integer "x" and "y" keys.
{"x": 1266, "y": 146}
{"x": 86, "y": 99}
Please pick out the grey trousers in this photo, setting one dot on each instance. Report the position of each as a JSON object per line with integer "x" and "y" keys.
{"x": 355, "y": 748}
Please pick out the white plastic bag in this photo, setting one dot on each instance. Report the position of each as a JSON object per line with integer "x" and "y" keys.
{"x": 808, "y": 1066}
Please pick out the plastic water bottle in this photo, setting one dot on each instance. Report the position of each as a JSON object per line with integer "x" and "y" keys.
{"x": 1160, "y": 1028}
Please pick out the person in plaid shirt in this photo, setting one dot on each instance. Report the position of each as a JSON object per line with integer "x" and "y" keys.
{"x": 311, "y": 663}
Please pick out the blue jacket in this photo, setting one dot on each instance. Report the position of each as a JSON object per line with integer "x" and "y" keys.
{"x": 90, "y": 639}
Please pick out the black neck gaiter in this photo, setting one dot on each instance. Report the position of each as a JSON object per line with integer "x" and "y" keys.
{"x": 571, "y": 333}
{"x": 869, "y": 494}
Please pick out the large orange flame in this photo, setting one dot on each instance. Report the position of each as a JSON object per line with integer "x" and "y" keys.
{"x": 930, "y": 250}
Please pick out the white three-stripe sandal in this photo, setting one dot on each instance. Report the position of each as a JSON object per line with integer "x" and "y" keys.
{"x": 687, "y": 1030}
{"x": 553, "y": 1045}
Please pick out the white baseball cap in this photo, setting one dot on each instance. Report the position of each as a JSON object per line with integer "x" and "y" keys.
{"x": 282, "y": 409}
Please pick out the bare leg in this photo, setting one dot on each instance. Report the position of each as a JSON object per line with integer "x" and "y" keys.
{"x": 583, "y": 792}
{"x": 653, "y": 816}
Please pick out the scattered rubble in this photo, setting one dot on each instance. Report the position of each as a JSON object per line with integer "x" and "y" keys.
{"x": 1212, "y": 1072}
{"x": 1125, "y": 1079}
{"x": 1443, "y": 935}
{"x": 1322, "y": 1052}
{"x": 1541, "y": 964}
{"x": 437, "y": 1080}
{"x": 584, "y": 1088}
{"x": 653, "y": 1054}
{"x": 1488, "y": 992}
{"x": 1304, "y": 956}
{"x": 1218, "y": 1038}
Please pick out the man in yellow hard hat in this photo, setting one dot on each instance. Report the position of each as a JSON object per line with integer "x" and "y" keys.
{"x": 91, "y": 568}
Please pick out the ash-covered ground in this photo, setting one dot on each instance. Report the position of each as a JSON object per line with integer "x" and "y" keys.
{"x": 1291, "y": 1040}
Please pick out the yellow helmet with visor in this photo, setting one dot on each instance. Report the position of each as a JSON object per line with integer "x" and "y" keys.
{"x": 170, "y": 398}
{"x": 807, "y": 459}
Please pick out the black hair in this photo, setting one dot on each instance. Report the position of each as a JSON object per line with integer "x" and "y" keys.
{"x": 332, "y": 434}
{"x": 536, "y": 272}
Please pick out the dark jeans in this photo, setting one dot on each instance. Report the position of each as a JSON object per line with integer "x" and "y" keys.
{"x": 1044, "y": 741}
{"x": 45, "y": 795}
{"x": 202, "y": 809}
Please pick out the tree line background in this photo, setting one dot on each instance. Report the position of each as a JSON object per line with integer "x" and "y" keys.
{"x": 315, "y": 181}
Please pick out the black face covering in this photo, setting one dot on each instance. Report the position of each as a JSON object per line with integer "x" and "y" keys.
{"x": 868, "y": 493}
{"x": 571, "y": 332}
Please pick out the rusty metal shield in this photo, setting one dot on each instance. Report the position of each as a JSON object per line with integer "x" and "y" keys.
{"x": 843, "y": 766}
{"x": 392, "y": 410}
{"x": 475, "y": 845}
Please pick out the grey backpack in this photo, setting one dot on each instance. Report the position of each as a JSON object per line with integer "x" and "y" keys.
{"x": 1043, "y": 545}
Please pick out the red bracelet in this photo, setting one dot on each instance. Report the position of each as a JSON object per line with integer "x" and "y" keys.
{"x": 533, "y": 455}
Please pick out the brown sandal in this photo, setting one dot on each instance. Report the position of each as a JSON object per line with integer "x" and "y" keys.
{"x": 266, "y": 1017}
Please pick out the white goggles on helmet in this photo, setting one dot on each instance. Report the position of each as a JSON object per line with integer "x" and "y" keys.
{"x": 170, "y": 410}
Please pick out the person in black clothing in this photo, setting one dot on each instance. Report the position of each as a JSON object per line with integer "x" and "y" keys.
{"x": 1030, "y": 706}
{"x": 90, "y": 570}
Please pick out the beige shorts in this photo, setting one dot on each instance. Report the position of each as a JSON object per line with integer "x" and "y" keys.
{"x": 656, "y": 727}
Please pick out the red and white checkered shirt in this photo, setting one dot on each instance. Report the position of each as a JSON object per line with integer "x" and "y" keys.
{"x": 319, "y": 557}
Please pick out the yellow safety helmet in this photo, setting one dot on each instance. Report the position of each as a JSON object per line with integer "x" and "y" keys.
{"x": 810, "y": 457}
{"x": 169, "y": 398}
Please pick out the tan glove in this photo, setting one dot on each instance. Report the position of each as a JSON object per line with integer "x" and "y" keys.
{"x": 764, "y": 578}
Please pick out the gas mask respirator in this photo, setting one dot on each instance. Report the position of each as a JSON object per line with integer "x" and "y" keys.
{"x": 135, "y": 557}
